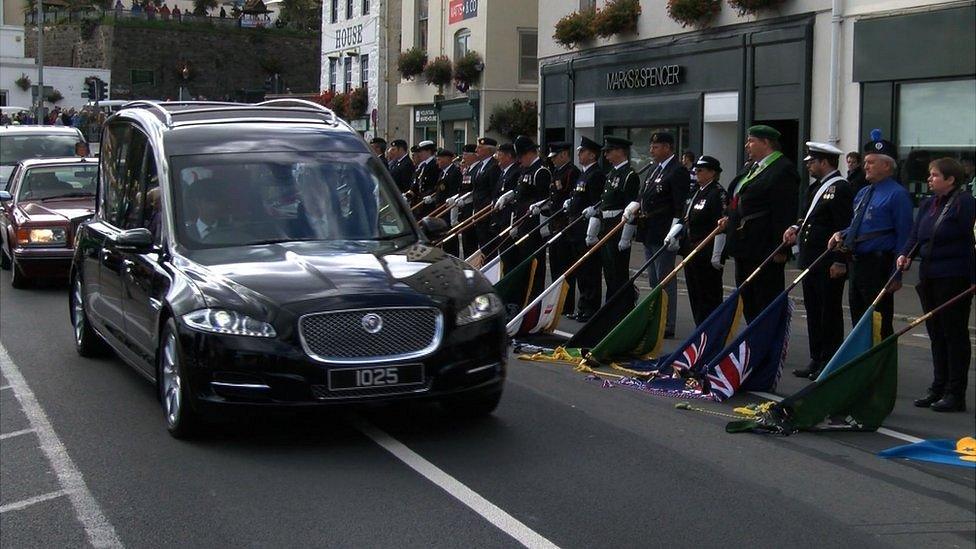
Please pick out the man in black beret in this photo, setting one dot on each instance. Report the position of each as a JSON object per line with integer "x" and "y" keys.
{"x": 585, "y": 192}
{"x": 485, "y": 189}
{"x": 662, "y": 203}
{"x": 503, "y": 215}
{"x": 378, "y": 146}
{"x": 400, "y": 165}
{"x": 763, "y": 205}
{"x": 462, "y": 210}
{"x": 425, "y": 177}
{"x": 533, "y": 187}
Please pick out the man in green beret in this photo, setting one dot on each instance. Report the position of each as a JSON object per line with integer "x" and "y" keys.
{"x": 762, "y": 207}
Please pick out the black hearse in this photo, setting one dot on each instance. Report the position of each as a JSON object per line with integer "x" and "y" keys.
{"x": 259, "y": 255}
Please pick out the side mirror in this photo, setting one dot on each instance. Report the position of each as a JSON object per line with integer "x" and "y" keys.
{"x": 5, "y": 196}
{"x": 134, "y": 240}
{"x": 434, "y": 227}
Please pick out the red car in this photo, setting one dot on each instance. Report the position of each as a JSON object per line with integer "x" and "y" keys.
{"x": 41, "y": 205}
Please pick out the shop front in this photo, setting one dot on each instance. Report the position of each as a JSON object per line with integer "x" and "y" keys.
{"x": 705, "y": 87}
{"x": 424, "y": 123}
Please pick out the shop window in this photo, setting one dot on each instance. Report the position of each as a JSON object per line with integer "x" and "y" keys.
{"x": 333, "y": 73}
{"x": 425, "y": 133}
{"x": 461, "y": 40}
{"x": 640, "y": 154}
{"x": 528, "y": 56}
{"x": 935, "y": 120}
{"x": 347, "y": 74}
{"x": 334, "y": 11}
{"x": 422, "y": 10}
{"x": 364, "y": 71}
{"x": 458, "y": 139}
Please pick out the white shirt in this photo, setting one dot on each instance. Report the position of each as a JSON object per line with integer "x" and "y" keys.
{"x": 621, "y": 165}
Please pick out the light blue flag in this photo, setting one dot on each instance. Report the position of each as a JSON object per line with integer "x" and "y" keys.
{"x": 866, "y": 334}
{"x": 961, "y": 453}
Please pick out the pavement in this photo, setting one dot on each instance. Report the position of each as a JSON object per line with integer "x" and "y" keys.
{"x": 85, "y": 461}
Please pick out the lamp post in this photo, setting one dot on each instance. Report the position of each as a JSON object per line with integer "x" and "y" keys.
{"x": 40, "y": 62}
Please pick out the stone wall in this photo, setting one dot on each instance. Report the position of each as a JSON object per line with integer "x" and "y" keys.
{"x": 221, "y": 62}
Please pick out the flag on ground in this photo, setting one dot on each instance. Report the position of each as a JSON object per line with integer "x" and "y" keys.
{"x": 960, "y": 452}
{"x": 600, "y": 324}
{"x": 493, "y": 273}
{"x": 754, "y": 359}
{"x": 639, "y": 334}
{"x": 543, "y": 317}
{"x": 866, "y": 334}
{"x": 860, "y": 394}
{"x": 515, "y": 286}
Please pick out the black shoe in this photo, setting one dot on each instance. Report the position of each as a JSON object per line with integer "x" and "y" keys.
{"x": 949, "y": 403}
{"x": 811, "y": 371}
{"x": 583, "y": 318}
{"x": 571, "y": 316}
{"x": 669, "y": 334}
{"x": 927, "y": 400}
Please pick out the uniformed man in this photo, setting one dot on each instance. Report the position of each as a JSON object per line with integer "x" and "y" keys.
{"x": 400, "y": 166}
{"x": 763, "y": 204}
{"x": 532, "y": 187}
{"x": 504, "y": 212}
{"x": 485, "y": 182}
{"x": 620, "y": 189}
{"x": 829, "y": 206}
{"x": 414, "y": 155}
{"x": 463, "y": 209}
{"x": 879, "y": 228}
{"x": 662, "y": 203}
{"x": 425, "y": 178}
{"x": 564, "y": 177}
{"x": 448, "y": 184}
{"x": 585, "y": 193}
{"x": 378, "y": 146}
{"x": 706, "y": 206}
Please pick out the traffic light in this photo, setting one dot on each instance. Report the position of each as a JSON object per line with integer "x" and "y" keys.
{"x": 97, "y": 88}
{"x": 92, "y": 89}
{"x": 102, "y": 89}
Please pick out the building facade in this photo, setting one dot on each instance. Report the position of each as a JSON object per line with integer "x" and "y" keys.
{"x": 815, "y": 69}
{"x": 360, "y": 43}
{"x": 503, "y": 32}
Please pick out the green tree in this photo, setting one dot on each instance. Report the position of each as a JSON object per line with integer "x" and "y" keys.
{"x": 302, "y": 14}
{"x": 202, "y": 7}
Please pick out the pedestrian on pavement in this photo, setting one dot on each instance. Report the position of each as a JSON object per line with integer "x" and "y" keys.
{"x": 177, "y": 14}
{"x": 164, "y": 12}
{"x": 448, "y": 183}
{"x": 763, "y": 204}
{"x": 878, "y": 231}
{"x": 378, "y": 146}
{"x": 662, "y": 203}
{"x": 829, "y": 206}
{"x": 564, "y": 177}
{"x": 485, "y": 186}
{"x": 947, "y": 266}
{"x": 855, "y": 171}
{"x": 150, "y": 10}
{"x": 400, "y": 165}
{"x": 585, "y": 193}
{"x": 223, "y": 13}
{"x": 688, "y": 160}
{"x": 533, "y": 186}
{"x": 703, "y": 274}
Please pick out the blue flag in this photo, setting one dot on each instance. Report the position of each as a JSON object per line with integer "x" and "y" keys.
{"x": 960, "y": 452}
{"x": 754, "y": 359}
{"x": 866, "y": 334}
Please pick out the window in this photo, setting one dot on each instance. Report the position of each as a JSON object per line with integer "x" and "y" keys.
{"x": 332, "y": 74}
{"x": 458, "y": 140}
{"x": 349, "y": 7}
{"x": 3, "y": 98}
{"x": 347, "y": 73}
{"x": 365, "y": 7}
{"x": 528, "y": 56}
{"x": 587, "y": 5}
{"x": 152, "y": 217}
{"x": 334, "y": 13}
{"x": 639, "y": 155}
{"x": 132, "y": 206}
{"x": 364, "y": 71}
{"x": 422, "y": 8}
{"x": 461, "y": 40}
{"x": 111, "y": 152}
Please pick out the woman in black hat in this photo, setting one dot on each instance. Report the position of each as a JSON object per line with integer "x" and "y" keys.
{"x": 703, "y": 274}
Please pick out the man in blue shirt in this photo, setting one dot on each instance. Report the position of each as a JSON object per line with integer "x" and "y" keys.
{"x": 878, "y": 231}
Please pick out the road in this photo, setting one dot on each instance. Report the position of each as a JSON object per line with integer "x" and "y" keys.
{"x": 563, "y": 462}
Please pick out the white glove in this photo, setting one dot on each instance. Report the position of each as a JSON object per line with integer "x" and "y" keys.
{"x": 466, "y": 199}
{"x": 544, "y": 231}
{"x": 450, "y": 202}
{"x": 566, "y": 203}
{"x": 630, "y": 212}
{"x": 593, "y": 231}
{"x": 671, "y": 241}
{"x": 429, "y": 199}
{"x": 536, "y": 208}
{"x": 627, "y": 236}
{"x": 718, "y": 246}
{"x": 592, "y": 212}
{"x": 455, "y": 216}
{"x": 513, "y": 232}
{"x": 504, "y": 200}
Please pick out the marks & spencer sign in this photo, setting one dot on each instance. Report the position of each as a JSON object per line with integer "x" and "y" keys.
{"x": 644, "y": 77}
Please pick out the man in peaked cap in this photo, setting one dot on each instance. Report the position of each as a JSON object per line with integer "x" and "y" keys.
{"x": 400, "y": 165}
{"x": 564, "y": 177}
{"x": 378, "y": 146}
{"x": 586, "y": 192}
{"x": 828, "y": 209}
{"x": 878, "y": 230}
{"x": 762, "y": 206}
{"x": 533, "y": 186}
{"x": 503, "y": 215}
{"x": 462, "y": 210}
{"x": 485, "y": 188}
{"x": 706, "y": 206}
{"x": 448, "y": 184}
{"x": 425, "y": 177}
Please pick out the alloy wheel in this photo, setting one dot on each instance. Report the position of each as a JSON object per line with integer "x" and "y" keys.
{"x": 172, "y": 384}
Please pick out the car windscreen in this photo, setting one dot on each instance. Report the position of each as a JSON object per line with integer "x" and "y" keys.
{"x": 14, "y": 148}
{"x": 45, "y": 182}
{"x": 240, "y": 199}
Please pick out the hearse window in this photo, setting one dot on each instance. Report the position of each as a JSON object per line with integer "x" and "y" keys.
{"x": 132, "y": 186}
{"x": 112, "y": 154}
{"x": 152, "y": 213}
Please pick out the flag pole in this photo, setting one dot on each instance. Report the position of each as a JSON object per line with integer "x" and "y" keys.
{"x": 555, "y": 283}
{"x": 806, "y": 271}
{"x": 443, "y": 207}
{"x": 935, "y": 311}
{"x": 684, "y": 261}
{"x": 891, "y": 279}
{"x": 500, "y": 237}
{"x": 523, "y": 238}
{"x": 765, "y": 262}
{"x": 466, "y": 224}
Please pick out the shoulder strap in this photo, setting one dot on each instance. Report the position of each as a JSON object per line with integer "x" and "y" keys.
{"x": 927, "y": 249}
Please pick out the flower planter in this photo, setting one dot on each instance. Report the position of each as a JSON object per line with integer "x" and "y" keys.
{"x": 694, "y": 13}
{"x": 617, "y": 17}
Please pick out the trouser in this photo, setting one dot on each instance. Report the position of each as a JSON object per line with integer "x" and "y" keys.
{"x": 660, "y": 268}
{"x": 452, "y": 246}
{"x": 469, "y": 238}
{"x": 527, "y": 247}
{"x": 704, "y": 286}
{"x": 588, "y": 279}
{"x": 763, "y": 289}
{"x": 823, "y": 299}
{"x": 560, "y": 258}
{"x": 948, "y": 331}
{"x": 869, "y": 274}
{"x": 616, "y": 263}
{"x": 483, "y": 235}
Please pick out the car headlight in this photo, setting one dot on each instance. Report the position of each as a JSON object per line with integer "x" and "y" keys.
{"x": 48, "y": 236}
{"x": 222, "y": 321}
{"x": 481, "y": 307}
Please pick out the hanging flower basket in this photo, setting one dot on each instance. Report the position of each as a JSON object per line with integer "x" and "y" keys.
{"x": 575, "y": 29}
{"x": 439, "y": 71}
{"x": 358, "y": 102}
{"x": 516, "y": 118}
{"x": 324, "y": 98}
{"x": 411, "y": 63}
{"x": 753, "y": 7}
{"x": 467, "y": 69}
{"x": 340, "y": 105}
{"x": 24, "y": 82}
{"x": 694, "y": 13}
{"x": 617, "y": 17}
{"x": 54, "y": 96}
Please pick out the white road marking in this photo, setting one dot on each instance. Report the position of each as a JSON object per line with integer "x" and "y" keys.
{"x": 502, "y": 520}
{"x": 5, "y": 436}
{"x": 24, "y": 503}
{"x": 99, "y": 531}
{"x": 881, "y": 430}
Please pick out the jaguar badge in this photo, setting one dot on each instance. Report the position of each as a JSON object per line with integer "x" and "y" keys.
{"x": 372, "y": 323}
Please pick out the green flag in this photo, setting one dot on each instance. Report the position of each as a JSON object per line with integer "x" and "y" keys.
{"x": 862, "y": 392}
{"x": 639, "y": 334}
{"x": 515, "y": 286}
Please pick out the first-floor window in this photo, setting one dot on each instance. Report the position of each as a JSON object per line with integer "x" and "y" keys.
{"x": 332, "y": 74}
{"x": 347, "y": 73}
{"x": 364, "y": 71}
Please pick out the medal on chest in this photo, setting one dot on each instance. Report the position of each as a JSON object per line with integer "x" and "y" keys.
{"x": 700, "y": 205}
{"x": 828, "y": 194}
{"x": 615, "y": 182}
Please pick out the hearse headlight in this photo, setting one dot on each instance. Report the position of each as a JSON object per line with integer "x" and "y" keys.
{"x": 42, "y": 236}
{"x": 481, "y": 307}
{"x": 222, "y": 321}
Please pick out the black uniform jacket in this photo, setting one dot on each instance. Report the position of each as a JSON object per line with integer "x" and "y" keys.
{"x": 563, "y": 181}
{"x": 507, "y": 181}
{"x": 533, "y": 186}
{"x": 486, "y": 184}
{"x": 705, "y": 207}
{"x": 448, "y": 183}
{"x": 425, "y": 178}
{"x": 402, "y": 172}
{"x": 586, "y": 192}
{"x": 662, "y": 197}
{"x": 761, "y": 213}
{"x": 832, "y": 213}
{"x": 620, "y": 189}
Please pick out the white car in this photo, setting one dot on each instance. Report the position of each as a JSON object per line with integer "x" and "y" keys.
{"x": 22, "y": 142}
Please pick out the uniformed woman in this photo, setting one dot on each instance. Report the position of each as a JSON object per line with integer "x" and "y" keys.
{"x": 943, "y": 239}
{"x": 703, "y": 274}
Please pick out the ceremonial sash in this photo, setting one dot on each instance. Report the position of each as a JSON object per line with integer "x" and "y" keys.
{"x": 756, "y": 171}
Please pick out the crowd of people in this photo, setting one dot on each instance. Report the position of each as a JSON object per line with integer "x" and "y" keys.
{"x": 84, "y": 118}
{"x": 856, "y": 230}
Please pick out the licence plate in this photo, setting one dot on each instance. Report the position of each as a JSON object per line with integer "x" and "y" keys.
{"x": 346, "y": 379}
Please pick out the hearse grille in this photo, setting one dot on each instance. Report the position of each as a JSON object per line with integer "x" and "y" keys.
{"x": 352, "y": 335}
